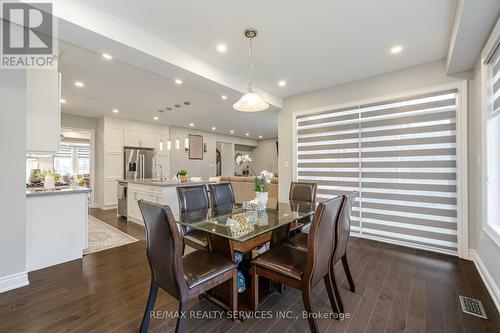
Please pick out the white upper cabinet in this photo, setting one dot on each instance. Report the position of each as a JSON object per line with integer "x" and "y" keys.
{"x": 135, "y": 138}
{"x": 43, "y": 111}
{"x": 113, "y": 140}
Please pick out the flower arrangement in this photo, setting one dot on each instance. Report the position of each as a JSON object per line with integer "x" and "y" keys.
{"x": 240, "y": 159}
{"x": 262, "y": 181}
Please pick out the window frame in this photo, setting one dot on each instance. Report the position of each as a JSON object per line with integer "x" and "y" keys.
{"x": 461, "y": 156}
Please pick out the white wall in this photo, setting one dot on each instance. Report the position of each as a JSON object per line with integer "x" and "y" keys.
{"x": 72, "y": 121}
{"x": 12, "y": 179}
{"x": 414, "y": 78}
{"x": 485, "y": 244}
{"x": 227, "y": 158}
{"x": 265, "y": 156}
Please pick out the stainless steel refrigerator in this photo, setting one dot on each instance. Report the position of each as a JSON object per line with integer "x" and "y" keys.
{"x": 138, "y": 163}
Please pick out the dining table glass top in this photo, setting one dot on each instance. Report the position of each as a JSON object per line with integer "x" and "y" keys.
{"x": 235, "y": 223}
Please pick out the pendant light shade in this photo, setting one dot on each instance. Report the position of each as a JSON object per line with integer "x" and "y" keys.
{"x": 250, "y": 102}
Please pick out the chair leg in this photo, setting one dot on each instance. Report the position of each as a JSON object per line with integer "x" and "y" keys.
{"x": 181, "y": 322}
{"x": 329, "y": 289}
{"x": 254, "y": 290}
{"x": 348, "y": 273}
{"x": 340, "y": 305}
{"x": 306, "y": 298}
{"x": 153, "y": 291}
{"x": 234, "y": 294}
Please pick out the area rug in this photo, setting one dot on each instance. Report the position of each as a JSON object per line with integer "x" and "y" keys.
{"x": 102, "y": 236}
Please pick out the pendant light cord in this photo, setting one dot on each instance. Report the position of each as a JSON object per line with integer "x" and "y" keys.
{"x": 250, "y": 62}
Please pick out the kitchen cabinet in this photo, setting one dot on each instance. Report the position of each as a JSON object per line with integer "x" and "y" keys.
{"x": 135, "y": 138}
{"x": 110, "y": 193}
{"x": 113, "y": 142}
{"x": 43, "y": 111}
{"x": 137, "y": 192}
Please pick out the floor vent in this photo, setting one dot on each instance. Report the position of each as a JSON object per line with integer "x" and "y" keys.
{"x": 472, "y": 306}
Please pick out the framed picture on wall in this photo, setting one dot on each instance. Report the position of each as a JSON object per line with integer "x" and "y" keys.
{"x": 195, "y": 147}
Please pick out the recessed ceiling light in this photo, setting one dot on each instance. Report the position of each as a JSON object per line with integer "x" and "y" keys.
{"x": 213, "y": 128}
{"x": 224, "y": 97}
{"x": 161, "y": 111}
{"x": 177, "y": 105}
{"x": 107, "y": 56}
{"x": 222, "y": 48}
{"x": 247, "y": 134}
{"x": 169, "y": 108}
{"x": 187, "y": 103}
{"x": 282, "y": 83}
{"x": 191, "y": 124}
{"x": 260, "y": 136}
{"x": 396, "y": 49}
{"x": 116, "y": 110}
{"x": 177, "y": 81}
{"x": 231, "y": 131}
{"x": 62, "y": 100}
{"x": 79, "y": 84}
{"x": 156, "y": 118}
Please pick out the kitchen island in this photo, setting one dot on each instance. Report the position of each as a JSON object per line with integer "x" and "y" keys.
{"x": 160, "y": 192}
{"x": 56, "y": 228}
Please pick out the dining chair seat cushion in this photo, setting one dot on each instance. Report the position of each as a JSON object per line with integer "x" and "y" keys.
{"x": 299, "y": 241}
{"x": 201, "y": 266}
{"x": 198, "y": 237}
{"x": 283, "y": 259}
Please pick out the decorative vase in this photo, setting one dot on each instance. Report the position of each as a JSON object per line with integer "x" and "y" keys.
{"x": 184, "y": 179}
{"x": 262, "y": 197}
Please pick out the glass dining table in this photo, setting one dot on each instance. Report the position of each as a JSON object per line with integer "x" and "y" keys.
{"x": 234, "y": 231}
{"x": 219, "y": 221}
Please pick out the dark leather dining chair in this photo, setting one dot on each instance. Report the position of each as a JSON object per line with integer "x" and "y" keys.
{"x": 193, "y": 198}
{"x": 342, "y": 231}
{"x": 222, "y": 198}
{"x": 300, "y": 269}
{"x": 181, "y": 277}
{"x": 302, "y": 192}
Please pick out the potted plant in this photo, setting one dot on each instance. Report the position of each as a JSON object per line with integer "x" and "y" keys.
{"x": 261, "y": 181}
{"x": 182, "y": 175}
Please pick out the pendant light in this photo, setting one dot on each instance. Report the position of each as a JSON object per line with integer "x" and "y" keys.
{"x": 250, "y": 102}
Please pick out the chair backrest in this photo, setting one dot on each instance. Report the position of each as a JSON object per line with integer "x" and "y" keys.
{"x": 192, "y": 198}
{"x": 221, "y": 194}
{"x": 302, "y": 191}
{"x": 164, "y": 248}
{"x": 343, "y": 226}
{"x": 320, "y": 240}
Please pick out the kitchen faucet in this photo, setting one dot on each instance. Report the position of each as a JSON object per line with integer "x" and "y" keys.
{"x": 161, "y": 170}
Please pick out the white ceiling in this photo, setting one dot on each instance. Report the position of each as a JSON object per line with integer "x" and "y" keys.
{"x": 139, "y": 94}
{"x": 311, "y": 45}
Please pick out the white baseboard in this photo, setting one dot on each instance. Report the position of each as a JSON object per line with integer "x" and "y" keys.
{"x": 487, "y": 279}
{"x": 109, "y": 207}
{"x": 13, "y": 281}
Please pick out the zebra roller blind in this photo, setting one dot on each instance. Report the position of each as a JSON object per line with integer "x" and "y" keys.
{"x": 400, "y": 155}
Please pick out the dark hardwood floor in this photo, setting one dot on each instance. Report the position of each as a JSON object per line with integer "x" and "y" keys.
{"x": 397, "y": 289}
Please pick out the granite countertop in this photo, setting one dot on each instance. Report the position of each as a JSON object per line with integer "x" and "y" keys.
{"x": 38, "y": 192}
{"x": 168, "y": 182}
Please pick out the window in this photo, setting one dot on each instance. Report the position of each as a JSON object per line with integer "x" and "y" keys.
{"x": 83, "y": 156}
{"x": 400, "y": 155}
{"x": 493, "y": 140}
{"x": 63, "y": 160}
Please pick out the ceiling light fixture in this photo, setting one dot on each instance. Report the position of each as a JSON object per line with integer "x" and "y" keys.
{"x": 260, "y": 136}
{"x": 62, "y": 100}
{"x": 282, "y": 83}
{"x": 250, "y": 102}
{"x": 107, "y": 56}
{"x": 156, "y": 118}
{"x": 79, "y": 84}
{"x": 116, "y": 110}
{"x": 247, "y": 134}
{"x": 224, "y": 97}
{"x": 396, "y": 49}
{"x": 213, "y": 128}
{"x": 231, "y": 131}
{"x": 191, "y": 124}
{"x": 177, "y": 81}
{"x": 222, "y": 48}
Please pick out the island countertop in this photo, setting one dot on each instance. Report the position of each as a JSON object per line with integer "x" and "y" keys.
{"x": 36, "y": 192}
{"x": 168, "y": 182}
